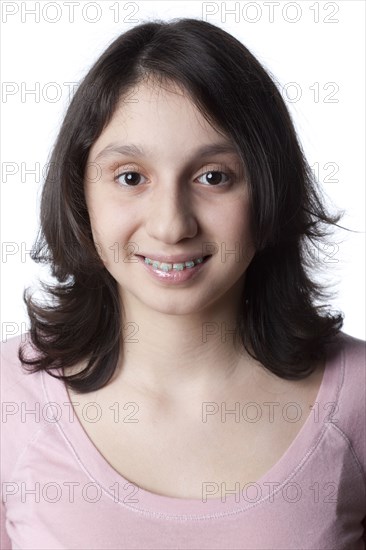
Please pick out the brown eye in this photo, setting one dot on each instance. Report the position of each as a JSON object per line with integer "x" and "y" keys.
{"x": 131, "y": 179}
{"x": 214, "y": 177}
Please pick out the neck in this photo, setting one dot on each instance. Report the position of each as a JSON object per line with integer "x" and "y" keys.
{"x": 175, "y": 356}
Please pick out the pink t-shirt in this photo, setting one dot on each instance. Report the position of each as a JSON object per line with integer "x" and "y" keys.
{"x": 58, "y": 491}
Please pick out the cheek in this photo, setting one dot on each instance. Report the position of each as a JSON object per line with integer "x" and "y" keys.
{"x": 103, "y": 214}
{"x": 112, "y": 233}
{"x": 101, "y": 224}
{"x": 233, "y": 225}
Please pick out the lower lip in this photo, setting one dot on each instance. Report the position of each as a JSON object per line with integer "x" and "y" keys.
{"x": 174, "y": 276}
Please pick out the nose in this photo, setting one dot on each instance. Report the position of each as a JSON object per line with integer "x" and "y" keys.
{"x": 169, "y": 216}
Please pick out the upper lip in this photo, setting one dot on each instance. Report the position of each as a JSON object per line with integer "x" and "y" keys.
{"x": 173, "y": 258}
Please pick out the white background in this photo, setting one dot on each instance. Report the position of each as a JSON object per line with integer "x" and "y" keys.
{"x": 315, "y": 46}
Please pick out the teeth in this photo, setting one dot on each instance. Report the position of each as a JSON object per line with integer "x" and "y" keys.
{"x": 169, "y": 267}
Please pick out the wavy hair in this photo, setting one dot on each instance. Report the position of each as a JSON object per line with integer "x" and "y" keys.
{"x": 279, "y": 322}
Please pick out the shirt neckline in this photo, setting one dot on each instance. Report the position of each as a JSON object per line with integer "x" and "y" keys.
{"x": 124, "y": 493}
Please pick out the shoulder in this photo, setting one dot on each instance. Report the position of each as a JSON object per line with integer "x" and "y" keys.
{"x": 16, "y": 380}
{"x": 22, "y": 399}
{"x": 354, "y": 346}
{"x": 350, "y": 360}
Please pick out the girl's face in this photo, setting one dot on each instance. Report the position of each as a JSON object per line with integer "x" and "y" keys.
{"x": 170, "y": 198}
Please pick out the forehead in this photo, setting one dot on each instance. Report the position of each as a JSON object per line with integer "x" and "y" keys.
{"x": 161, "y": 117}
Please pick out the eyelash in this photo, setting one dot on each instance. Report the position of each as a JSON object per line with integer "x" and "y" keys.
{"x": 229, "y": 173}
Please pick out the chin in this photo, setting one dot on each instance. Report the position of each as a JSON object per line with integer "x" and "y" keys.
{"x": 173, "y": 307}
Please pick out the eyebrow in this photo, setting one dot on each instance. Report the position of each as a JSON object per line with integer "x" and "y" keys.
{"x": 136, "y": 150}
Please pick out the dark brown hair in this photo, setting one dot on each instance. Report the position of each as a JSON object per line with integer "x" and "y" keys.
{"x": 279, "y": 319}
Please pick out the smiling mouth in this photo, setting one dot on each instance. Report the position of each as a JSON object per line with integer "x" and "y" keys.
{"x": 179, "y": 266}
